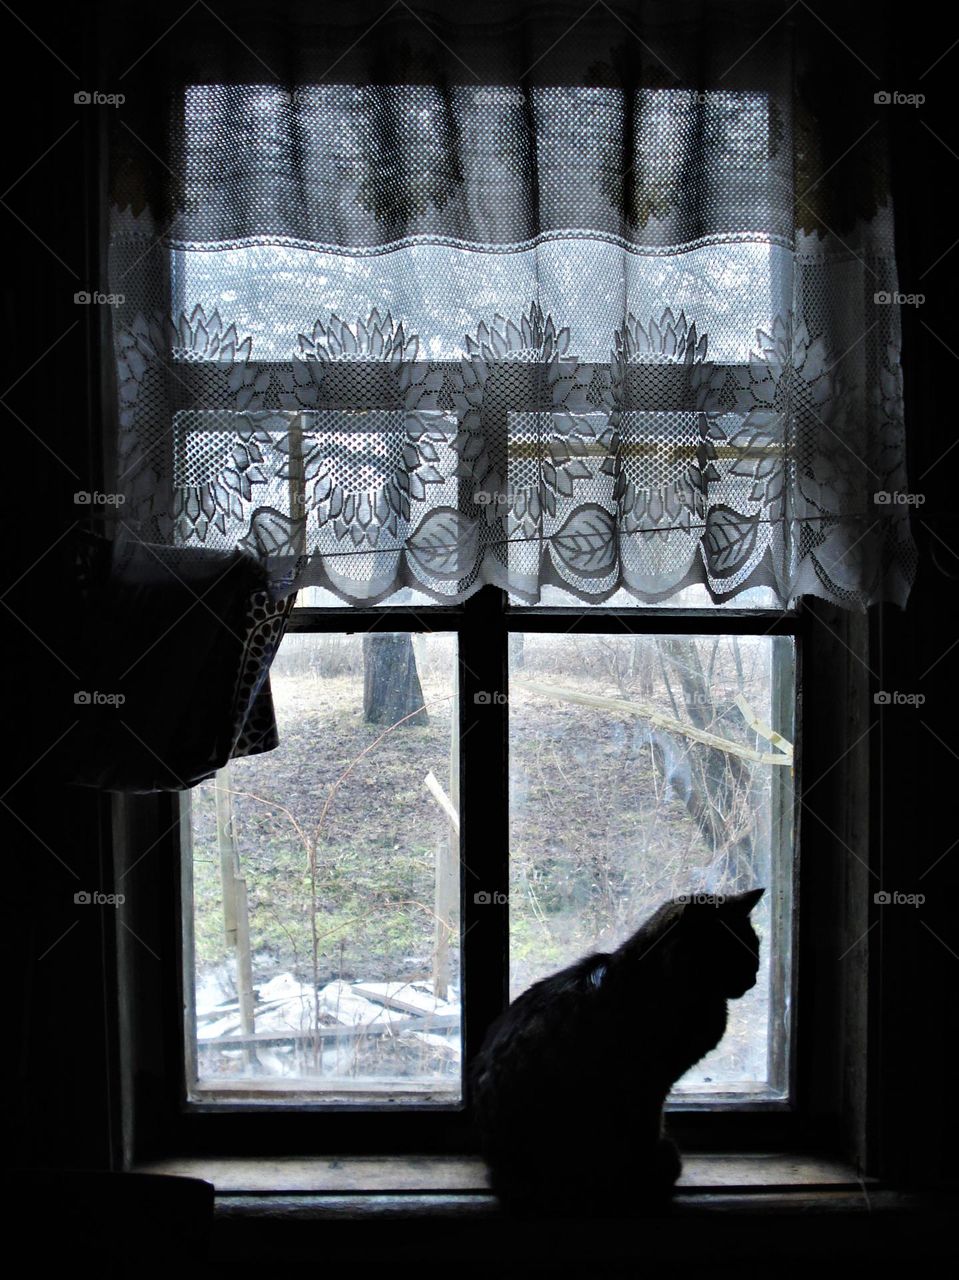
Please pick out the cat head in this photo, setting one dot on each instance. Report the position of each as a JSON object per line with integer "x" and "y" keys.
{"x": 715, "y": 941}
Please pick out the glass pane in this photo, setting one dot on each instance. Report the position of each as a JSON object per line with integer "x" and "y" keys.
{"x": 325, "y": 901}
{"x": 643, "y": 768}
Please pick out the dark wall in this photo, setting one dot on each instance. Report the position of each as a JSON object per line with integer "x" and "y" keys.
{"x": 917, "y": 755}
{"x": 56, "y": 1029}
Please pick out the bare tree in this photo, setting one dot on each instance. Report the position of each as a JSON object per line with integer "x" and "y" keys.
{"x": 391, "y": 683}
{"x": 719, "y": 781}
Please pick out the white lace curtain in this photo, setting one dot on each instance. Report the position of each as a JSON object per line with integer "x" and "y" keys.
{"x": 542, "y": 296}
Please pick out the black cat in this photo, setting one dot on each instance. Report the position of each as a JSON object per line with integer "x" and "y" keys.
{"x": 569, "y": 1086}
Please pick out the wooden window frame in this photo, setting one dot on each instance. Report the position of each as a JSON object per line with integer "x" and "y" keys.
{"x": 822, "y": 1112}
{"x": 825, "y": 1109}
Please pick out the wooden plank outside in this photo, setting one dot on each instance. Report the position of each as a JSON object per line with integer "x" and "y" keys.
{"x": 560, "y": 693}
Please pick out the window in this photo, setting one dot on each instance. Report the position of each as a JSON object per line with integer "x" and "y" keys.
{"x": 331, "y": 890}
{"x": 640, "y": 771}
{"x": 333, "y": 898}
{"x": 359, "y": 905}
{"x": 325, "y": 882}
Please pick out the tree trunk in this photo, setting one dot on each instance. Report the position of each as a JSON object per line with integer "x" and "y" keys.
{"x": 391, "y": 684}
{"x": 517, "y": 651}
{"x": 720, "y": 776}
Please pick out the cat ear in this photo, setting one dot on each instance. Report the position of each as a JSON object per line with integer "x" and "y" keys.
{"x": 743, "y": 903}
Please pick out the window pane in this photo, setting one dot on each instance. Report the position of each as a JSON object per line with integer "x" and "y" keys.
{"x": 325, "y": 904}
{"x": 619, "y": 804}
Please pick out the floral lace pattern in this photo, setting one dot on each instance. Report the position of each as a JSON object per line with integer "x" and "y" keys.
{"x": 520, "y": 463}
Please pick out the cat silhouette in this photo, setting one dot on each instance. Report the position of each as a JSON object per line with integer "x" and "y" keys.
{"x": 569, "y": 1086}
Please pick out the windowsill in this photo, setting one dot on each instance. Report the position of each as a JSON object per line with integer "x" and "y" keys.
{"x": 755, "y": 1209}
{"x": 372, "y": 1215}
{"x": 371, "y": 1179}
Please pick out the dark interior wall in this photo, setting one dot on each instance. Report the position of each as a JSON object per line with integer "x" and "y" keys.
{"x": 57, "y": 1030}
{"x": 917, "y": 756}
{"x": 60, "y": 1029}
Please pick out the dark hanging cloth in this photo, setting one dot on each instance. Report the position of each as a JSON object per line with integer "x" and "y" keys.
{"x": 174, "y": 654}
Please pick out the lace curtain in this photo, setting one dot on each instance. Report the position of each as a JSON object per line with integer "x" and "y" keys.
{"x": 581, "y": 301}
{"x": 536, "y": 296}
